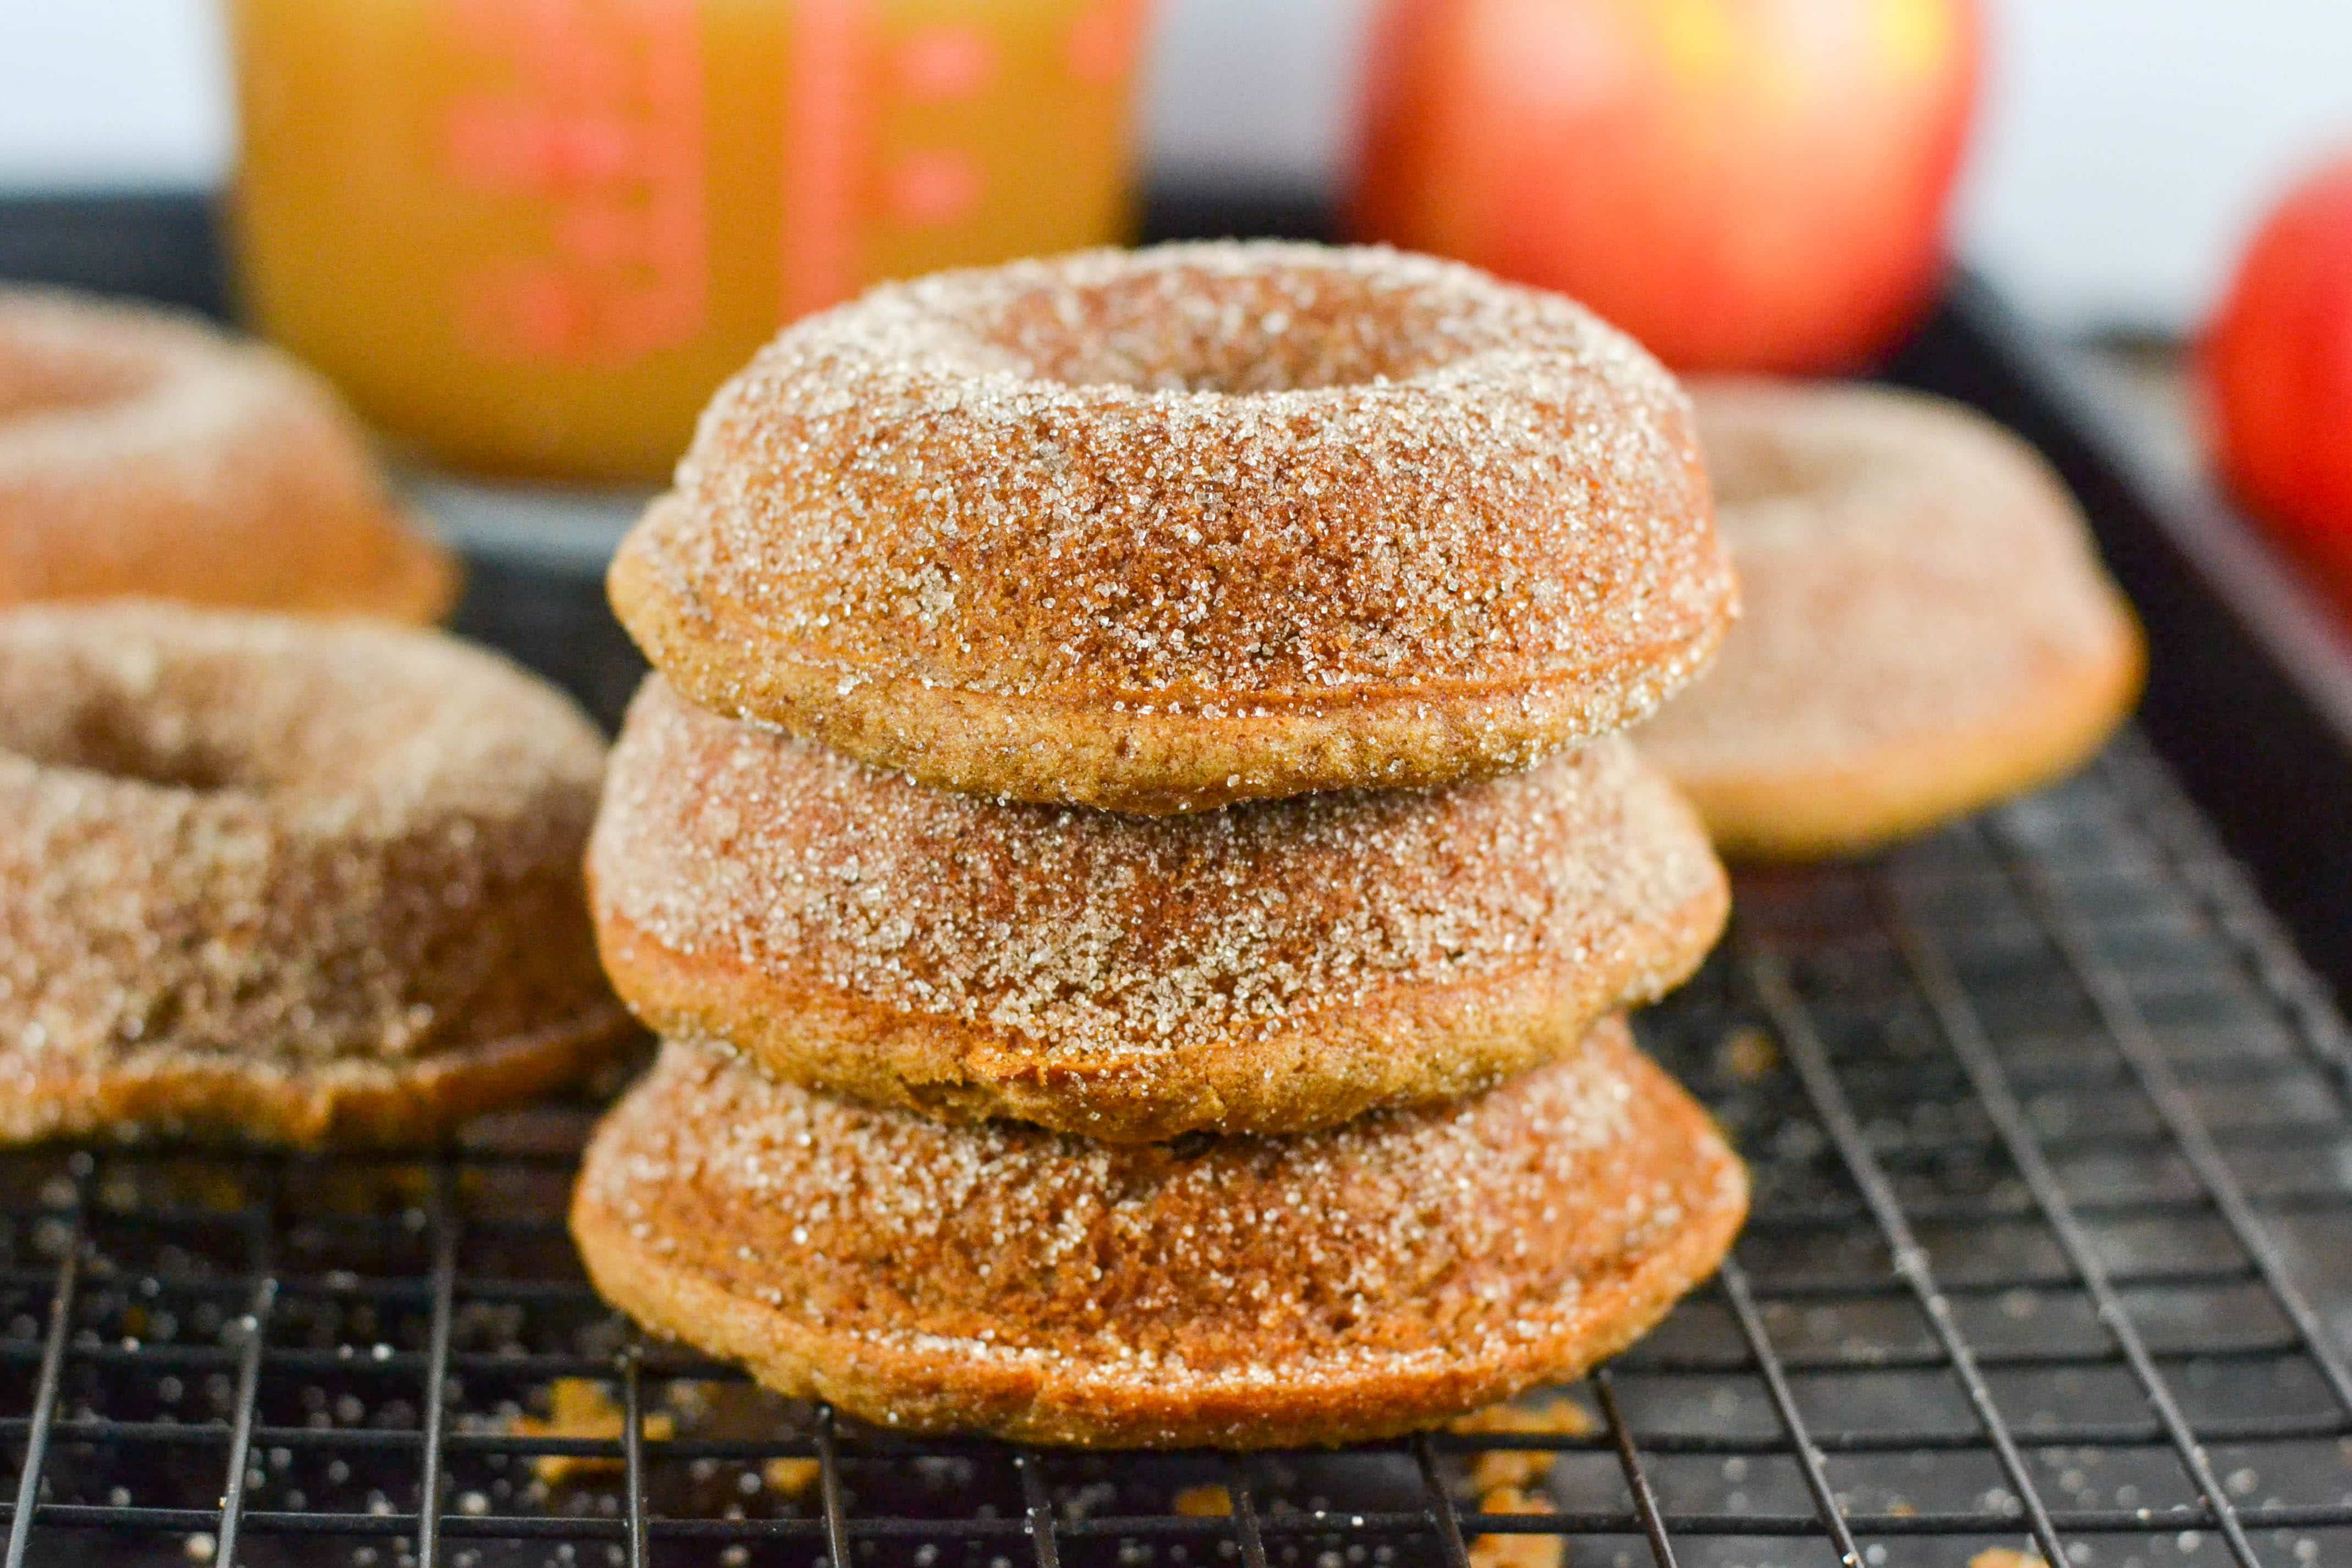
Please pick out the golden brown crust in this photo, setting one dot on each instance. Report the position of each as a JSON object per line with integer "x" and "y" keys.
{"x": 142, "y": 453}
{"x": 1272, "y": 968}
{"x": 1224, "y": 1292}
{"x": 327, "y": 873}
{"x": 1927, "y": 629}
{"x": 341, "y": 1104}
{"x": 1863, "y": 801}
{"x": 1159, "y": 531}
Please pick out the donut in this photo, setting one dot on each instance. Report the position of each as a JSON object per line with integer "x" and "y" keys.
{"x": 1157, "y": 531}
{"x": 1928, "y": 627}
{"x": 1267, "y": 968}
{"x": 143, "y": 453}
{"x": 299, "y": 881}
{"x": 1228, "y": 1292}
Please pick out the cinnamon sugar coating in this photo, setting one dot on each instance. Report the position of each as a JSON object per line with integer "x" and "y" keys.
{"x": 256, "y": 1097}
{"x": 1241, "y": 1293}
{"x": 1162, "y": 531}
{"x": 288, "y": 879}
{"x": 1270, "y": 967}
{"x": 142, "y": 451}
{"x": 1928, "y": 628}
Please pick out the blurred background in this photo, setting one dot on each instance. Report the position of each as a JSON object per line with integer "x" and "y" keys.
{"x": 2126, "y": 146}
{"x": 528, "y": 238}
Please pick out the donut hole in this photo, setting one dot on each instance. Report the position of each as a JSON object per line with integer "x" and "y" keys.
{"x": 222, "y": 703}
{"x": 1179, "y": 328}
{"x": 311, "y": 715}
{"x": 39, "y": 377}
{"x": 196, "y": 720}
{"x": 1762, "y": 471}
{"x": 163, "y": 745}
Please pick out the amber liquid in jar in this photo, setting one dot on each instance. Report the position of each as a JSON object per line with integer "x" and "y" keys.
{"x": 532, "y": 236}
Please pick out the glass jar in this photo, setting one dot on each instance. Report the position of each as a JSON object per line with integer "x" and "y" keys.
{"x": 532, "y": 236}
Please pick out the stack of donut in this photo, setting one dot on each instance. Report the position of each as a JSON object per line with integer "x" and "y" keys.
{"x": 1128, "y": 849}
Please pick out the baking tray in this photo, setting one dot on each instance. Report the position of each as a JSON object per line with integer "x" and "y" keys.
{"x": 2052, "y": 1128}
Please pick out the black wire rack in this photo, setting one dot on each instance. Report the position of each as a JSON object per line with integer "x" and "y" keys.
{"x": 2050, "y": 1254}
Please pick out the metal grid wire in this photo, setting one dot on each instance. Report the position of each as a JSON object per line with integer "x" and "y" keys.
{"x": 2054, "y": 1169}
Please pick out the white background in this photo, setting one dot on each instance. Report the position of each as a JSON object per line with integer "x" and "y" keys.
{"x": 2127, "y": 144}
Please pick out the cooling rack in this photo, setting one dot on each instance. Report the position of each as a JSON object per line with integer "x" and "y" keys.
{"x": 2051, "y": 1252}
{"x": 2054, "y": 1169}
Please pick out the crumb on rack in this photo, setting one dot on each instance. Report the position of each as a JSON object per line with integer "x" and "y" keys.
{"x": 1510, "y": 1468}
{"x": 2005, "y": 1557}
{"x": 1747, "y": 1054}
{"x": 1517, "y": 1551}
{"x": 1209, "y": 1502}
{"x": 791, "y": 1477}
{"x": 579, "y": 1407}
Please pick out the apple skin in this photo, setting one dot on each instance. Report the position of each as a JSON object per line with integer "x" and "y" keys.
{"x": 1743, "y": 184}
{"x": 2276, "y": 364}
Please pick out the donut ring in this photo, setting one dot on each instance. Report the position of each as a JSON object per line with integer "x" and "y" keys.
{"x": 291, "y": 879}
{"x": 1228, "y": 1292}
{"x": 142, "y": 453}
{"x": 1271, "y": 968}
{"x": 1162, "y": 531}
{"x": 1927, "y": 629}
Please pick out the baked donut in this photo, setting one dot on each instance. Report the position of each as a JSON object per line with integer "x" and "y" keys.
{"x": 1928, "y": 627}
{"x": 143, "y": 453}
{"x": 1229, "y": 1292}
{"x": 293, "y": 880}
{"x": 1270, "y": 967}
{"x": 1162, "y": 531}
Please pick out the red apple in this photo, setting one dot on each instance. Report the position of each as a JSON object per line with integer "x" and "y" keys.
{"x": 1743, "y": 184}
{"x": 2277, "y": 367}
